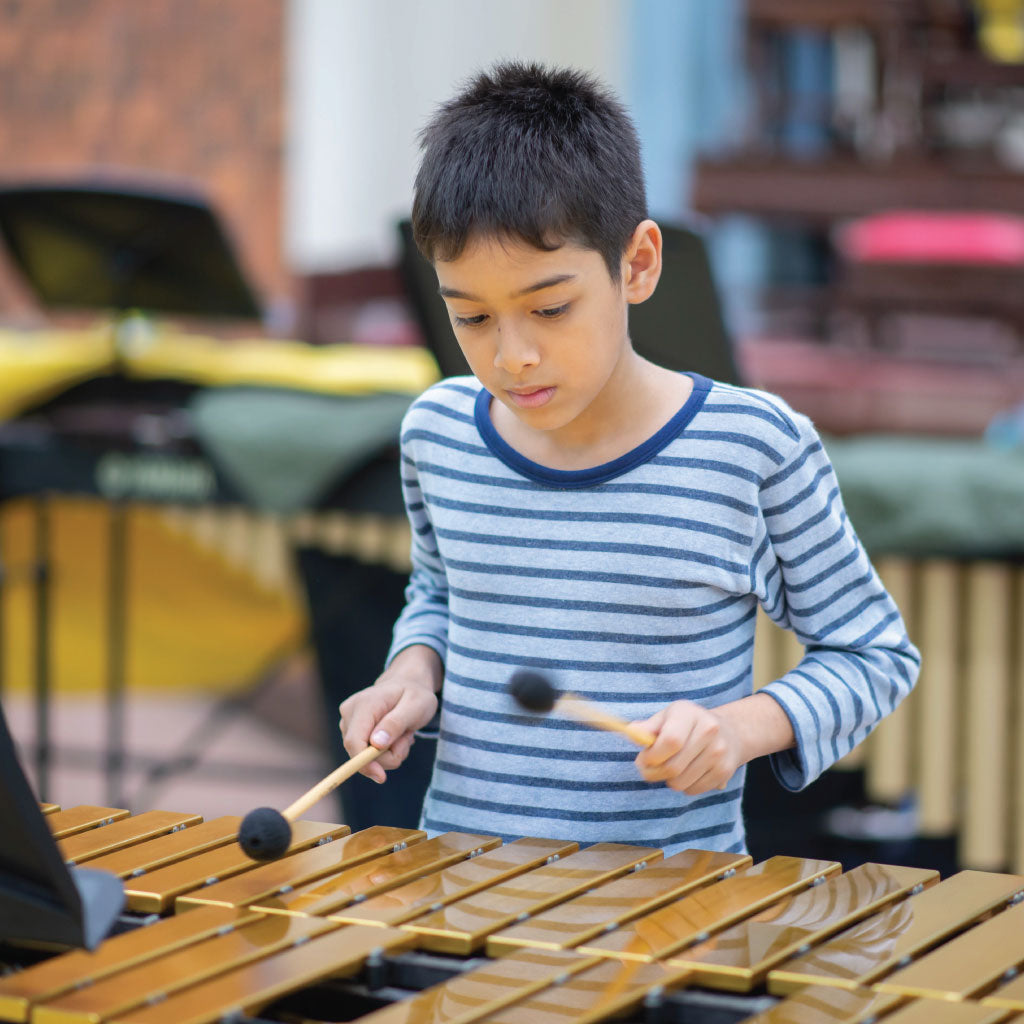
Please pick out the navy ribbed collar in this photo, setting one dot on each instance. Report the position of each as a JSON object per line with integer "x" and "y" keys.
{"x": 502, "y": 450}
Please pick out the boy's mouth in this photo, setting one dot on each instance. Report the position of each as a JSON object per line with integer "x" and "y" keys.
{"x": 530, "y": 398}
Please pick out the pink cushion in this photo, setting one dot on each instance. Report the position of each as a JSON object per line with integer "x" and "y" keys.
{"x": 926, "y": 236}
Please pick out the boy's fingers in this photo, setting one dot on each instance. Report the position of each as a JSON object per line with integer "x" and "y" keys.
{"x": 403, "y": 719}
{"x": 358, "y": 725}
{"x": 396, "y": 753}
{"x": 673, "y": 767}
{"x": 673, "y": 739}
{"x": 682, "y": 758}
{"x": 652, "y": 724}
{"x": 692, "y": 773}
{"x": 391, "y": 759}
{"x": 699, "y": 782}
{"x": 386, "y": 716}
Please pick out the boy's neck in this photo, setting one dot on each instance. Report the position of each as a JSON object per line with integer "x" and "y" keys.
{"x": 640, "y": 400}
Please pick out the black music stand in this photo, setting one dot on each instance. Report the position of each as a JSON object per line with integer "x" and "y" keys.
{"x": 123, "y": 247}
{"x": 42, "y": 900}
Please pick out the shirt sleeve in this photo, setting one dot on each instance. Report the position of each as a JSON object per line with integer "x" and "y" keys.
{"x": 424, "y": 619}
{"x": 813, "y": 576}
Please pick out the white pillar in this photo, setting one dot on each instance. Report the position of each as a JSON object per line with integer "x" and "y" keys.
{"x": 362, "y": 79}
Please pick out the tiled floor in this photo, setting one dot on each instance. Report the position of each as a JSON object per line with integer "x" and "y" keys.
{"x": 226, "y": 757}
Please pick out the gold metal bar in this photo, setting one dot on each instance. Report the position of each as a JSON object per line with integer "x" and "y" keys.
{"x": 585, "y": 917}
{"x": 464, "y": 926}
{"x": 599, "y": 993}
{"x": 936, "y": 698}
{"x": 157, "y": 890}
{"x": 485, "y": 990}
{"x": 266, "y": 880}
{"x": 164, "y": 850}
{"x": 965, "y": 965}
{"x": 931, "y": 1011}
{"x": 248, "y": 989}
{"x": 740, "y": 957}
{"x": 431, "y": 892}
{"x": 95, "y": 842}
{"x": 78, "y": 819}
{"x": 1009, "y": 996}
{"x": 377, "y": 876}
{"x": 157, "y": 979}
{"x": 877, "y": 946}
{"x": 695, "y": 917}
{"x": 49, "y": 808}
{"x": 764, "y": 653}
{"x": 887, "y": 777}
{"x": 818, "y": 1004}
{"x": 51, "y": 978}
{"x": 1017, "y": 818}
{"x": 984, "y": 841}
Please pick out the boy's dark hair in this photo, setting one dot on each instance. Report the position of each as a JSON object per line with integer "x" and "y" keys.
{"x": 543, "y": 155}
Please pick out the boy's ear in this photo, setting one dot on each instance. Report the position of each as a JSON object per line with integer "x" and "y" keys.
{"x": 642, "y": 261}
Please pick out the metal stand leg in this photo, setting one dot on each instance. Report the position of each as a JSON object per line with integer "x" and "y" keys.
{"x": 3, "y": 581}
{"x": 116, "y": 639}
{"x": 42, "y": 624}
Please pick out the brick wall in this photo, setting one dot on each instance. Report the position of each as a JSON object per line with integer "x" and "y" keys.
{"x": 159, "y": 90}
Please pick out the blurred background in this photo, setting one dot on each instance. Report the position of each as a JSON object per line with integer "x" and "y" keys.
{"x": 211, "y": 321}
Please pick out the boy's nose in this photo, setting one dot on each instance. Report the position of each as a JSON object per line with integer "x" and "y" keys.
{"x": 515, "y": 352}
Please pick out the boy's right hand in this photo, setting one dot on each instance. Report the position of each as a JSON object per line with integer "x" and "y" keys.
{"x": 388, "y": 713}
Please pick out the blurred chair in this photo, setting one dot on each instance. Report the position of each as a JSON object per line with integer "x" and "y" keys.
{"x": 680, "y": 326}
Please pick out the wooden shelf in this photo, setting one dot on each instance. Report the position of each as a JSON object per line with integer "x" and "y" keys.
{"x": 827, "y": 190}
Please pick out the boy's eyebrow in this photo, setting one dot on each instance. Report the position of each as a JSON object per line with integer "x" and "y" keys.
{"x": 548, "y": 282}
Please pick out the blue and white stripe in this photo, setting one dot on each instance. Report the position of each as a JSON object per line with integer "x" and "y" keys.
{"x": 634, "y": 584}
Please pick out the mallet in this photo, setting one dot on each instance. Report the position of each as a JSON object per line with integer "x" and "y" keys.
{"x": 265, "y": 834}
{"x": 534, "y": 692}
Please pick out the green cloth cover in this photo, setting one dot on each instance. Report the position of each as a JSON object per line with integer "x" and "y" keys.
{"x": 932, "y": 496}
{"x": 284, "y": 449}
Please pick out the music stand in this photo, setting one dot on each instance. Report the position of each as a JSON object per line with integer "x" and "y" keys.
{"x": 41, "y": 898}
{"x": 123, "y": 247}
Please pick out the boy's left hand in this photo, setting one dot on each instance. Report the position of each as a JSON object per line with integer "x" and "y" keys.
{"x": 696, "y": 749}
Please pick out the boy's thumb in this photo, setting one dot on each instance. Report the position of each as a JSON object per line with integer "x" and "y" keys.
{"x": 381, "y": 736}
{"x": 392, "y": 726}
{"x": 408, "y": 714}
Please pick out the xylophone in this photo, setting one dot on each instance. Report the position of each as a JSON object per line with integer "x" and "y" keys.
{"x": 388, "y": 926}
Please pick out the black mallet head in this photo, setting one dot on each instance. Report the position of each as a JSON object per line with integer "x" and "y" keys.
{"x": 532, "y": 691}
{"x": 265, "y": 834}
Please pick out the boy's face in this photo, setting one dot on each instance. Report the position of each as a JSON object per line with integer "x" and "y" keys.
{"x": 544, "y": 332}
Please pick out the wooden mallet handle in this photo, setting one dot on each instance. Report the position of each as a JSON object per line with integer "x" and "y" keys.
{"x": 593, "y": 715}
{"x": 331, "y": 783}
{"x": 535, "y": 692}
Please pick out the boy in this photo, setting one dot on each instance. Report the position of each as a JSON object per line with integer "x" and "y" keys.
{"x": 580, "y": 511}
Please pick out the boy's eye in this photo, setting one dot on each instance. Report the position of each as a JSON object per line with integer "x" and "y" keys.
{"x": 468, "y": 321}
{"x": 553, "y": 312}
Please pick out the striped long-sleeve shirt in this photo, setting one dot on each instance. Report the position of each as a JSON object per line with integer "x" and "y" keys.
{"x": 634, "y": 584}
